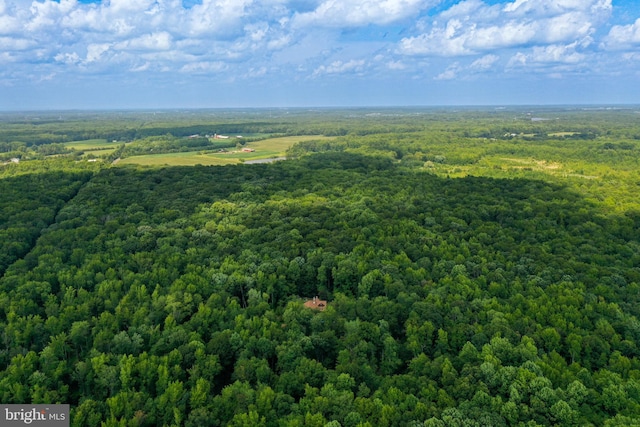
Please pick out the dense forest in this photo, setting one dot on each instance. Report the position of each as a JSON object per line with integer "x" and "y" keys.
{"x": 480, "y": 268}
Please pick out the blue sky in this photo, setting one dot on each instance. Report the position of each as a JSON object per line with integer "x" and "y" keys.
{"x": 72, "y": 54}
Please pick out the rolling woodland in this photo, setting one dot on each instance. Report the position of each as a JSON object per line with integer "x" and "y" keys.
{"x": 480, "y": 267}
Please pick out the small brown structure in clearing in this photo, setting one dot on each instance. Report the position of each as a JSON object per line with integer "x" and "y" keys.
{"x": 316, "y": 304}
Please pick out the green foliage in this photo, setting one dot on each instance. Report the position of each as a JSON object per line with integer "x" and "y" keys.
{"x": 28, "y": 205}
{"x": 175, "y": 296}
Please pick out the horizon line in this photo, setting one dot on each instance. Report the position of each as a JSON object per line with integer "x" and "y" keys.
{"x": 322, "y": 107}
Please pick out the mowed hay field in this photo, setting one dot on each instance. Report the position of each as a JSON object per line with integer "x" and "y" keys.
{"x": 264, "y": 149}
{"x": 96, "y": 147}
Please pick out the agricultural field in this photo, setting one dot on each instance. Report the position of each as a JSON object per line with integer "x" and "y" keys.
{"x": 189, "y": 158}
{"x": 264, "y": 149}
{"x": 91, "y": 144}
{"x": 93, "y": 148}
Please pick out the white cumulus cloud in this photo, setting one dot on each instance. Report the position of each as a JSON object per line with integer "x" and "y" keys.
{"x": 548, "y": 56}
{"x": 68, "y": 58}
{"x": 12, "y": 43}
{"x": 338, "y": 13}
{"x": 621, "y": 36}
{"x": 472, "y": 27}
{"x": 396, "y": 65}
{"x": 95, "y": 51}
{"x": 340, "y": 67}
{"x": 205, "y": 67}
{"x": 484, "y": 63}
{"x": 215, "y": 17}
{"x": 557, "y": 54}
{"x": 148, "y": 42}
{"x": 450, "y": 73}
{"x": 303, "y": 40}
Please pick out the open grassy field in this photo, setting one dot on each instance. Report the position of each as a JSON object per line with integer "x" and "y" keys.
{"x": 100, "y": 152}
{"x": 282, "y": 144}
{"x": 564, "y": 133}
{"x": 95, "y": 147}
{"x": 264, "y": 149}
{"x": 91, "y": 144}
